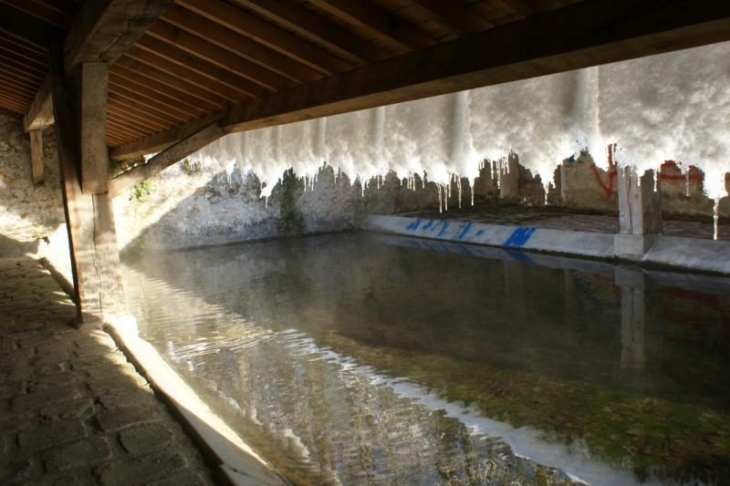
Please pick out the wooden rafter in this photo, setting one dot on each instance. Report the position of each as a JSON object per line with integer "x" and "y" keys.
{"x": 456, "y": 15}
{"x": 201, "y": 66}
{"x": 268, "y": 34}
{"x": 230, "y": 92}
{"x": 240, "y": 45}
{"x": 379, "y": 24}
{"x": 40, "y": 115}
{"x": 224, "y": 59}
{"x": 318, "y": 29}
{"x": 43, "y": 11}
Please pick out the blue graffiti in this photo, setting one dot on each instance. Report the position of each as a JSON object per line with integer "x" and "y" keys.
{"x": 428, "y": 224}
{"x": 519, "y": 237}
{"x": 480, "y": 233}
{"x": 414, "y": 225}
{"x": 444, "y": 230}
{"x": 463, "y": 231}
{"x": 520, "y": 257}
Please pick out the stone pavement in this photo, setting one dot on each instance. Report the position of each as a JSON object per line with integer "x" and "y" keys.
{"x": 73, "y": 410}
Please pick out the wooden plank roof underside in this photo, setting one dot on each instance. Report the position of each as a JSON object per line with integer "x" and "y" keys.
{"x": 202, "y": 59}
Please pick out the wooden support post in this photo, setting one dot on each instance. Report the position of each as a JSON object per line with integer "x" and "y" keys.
{"x": 90, "y": 217}
{"x": 36, "y": 156}
{"x": 94, "y": 154}
{"x": 640, "y": 213}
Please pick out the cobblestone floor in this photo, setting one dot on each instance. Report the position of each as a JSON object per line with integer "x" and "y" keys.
{"x": 559, "y": 218}
{"x": 73, "y": 410}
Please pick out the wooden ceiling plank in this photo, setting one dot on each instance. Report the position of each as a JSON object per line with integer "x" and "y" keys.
{"x": 206, "y": 99}
{"x": 143, "y": 83}
{"x": 153, "y": 104}
{"x": 12, "y": 84}
{"x": 240, "y": 45}
{"x": 318, "y": 29}
{"x": 142, "y": 120}
{"x": 125, "y": 88}
{"x": 103, "y": 30}
{"x": 193, "y": 77}
{"x": 592, "y": 32}
{"x": 32, "y": 57}
{"x": 382, "y": 25}
{"x": 17, "y": 64}
{"x": 141, "y": 107}
{"x": 121, "y": 121}
{"x": 266, "y": 33}
{"x": 456, "y": 15}
{"x": 201, "y": 67}
{"x": 43, "y": 11}
{"x": 123, "y": 131}
{"x": 161, "y": 141}
{"x": 20, "y": 78}
{"x": 224, "y": 59}
{"x": 12, "y": 105}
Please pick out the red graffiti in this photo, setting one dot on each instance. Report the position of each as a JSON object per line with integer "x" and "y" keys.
{"x": 670, "y": 166}
{"x": 612, "y": 173}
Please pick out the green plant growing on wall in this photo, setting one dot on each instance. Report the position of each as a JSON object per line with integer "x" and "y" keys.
{"x": 190, "y": 168}
{"x": 140, "y": 191}
{"x": 291, "y": 222}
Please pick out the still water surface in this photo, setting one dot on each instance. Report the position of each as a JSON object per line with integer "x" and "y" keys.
{"x": 363, "y": 359}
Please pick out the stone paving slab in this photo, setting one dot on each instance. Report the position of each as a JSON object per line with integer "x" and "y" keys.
{"x": 73, "y": 410}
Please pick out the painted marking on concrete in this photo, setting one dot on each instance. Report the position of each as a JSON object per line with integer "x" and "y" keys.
{"x": 519, "y": 237}
{"x": 520, "y": 257}
{"x": 464, "y": 231}
{"x": 444, "y": 230}
{"x": 428, "y": 224}
{"x": 414, "y": 225}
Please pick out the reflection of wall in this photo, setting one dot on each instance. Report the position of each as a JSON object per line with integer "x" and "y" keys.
{"x": 27, "y": 213}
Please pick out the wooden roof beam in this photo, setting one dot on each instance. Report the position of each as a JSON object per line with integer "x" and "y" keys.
{"x": 161, "y": 141}
{"x": 382, "y": 25}
{"x": 456, "y": 15}
{"x": 40, "y": 115}
{"x": 267, "y": 34}
{"x": 166, "y": 158}
{"x": 590, "y": 33}
{"x": 104, "y": 29}
{"x": 318, "y": 29}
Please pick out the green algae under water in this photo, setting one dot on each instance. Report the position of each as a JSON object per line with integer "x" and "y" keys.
{"x": 350, "y": 359}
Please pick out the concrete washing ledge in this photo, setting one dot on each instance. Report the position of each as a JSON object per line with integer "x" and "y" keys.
{"x": 667, "y": 251}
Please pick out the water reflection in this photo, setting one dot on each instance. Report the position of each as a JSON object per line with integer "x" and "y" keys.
{"x": 360, "y": 360}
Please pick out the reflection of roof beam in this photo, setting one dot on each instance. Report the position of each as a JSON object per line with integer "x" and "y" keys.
{"x": 592, "y": 32}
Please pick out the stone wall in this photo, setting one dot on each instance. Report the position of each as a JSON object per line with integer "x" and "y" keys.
{"x": 191, "y": 205}
{"x": 29, "y": 214}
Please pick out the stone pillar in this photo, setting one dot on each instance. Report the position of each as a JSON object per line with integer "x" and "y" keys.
{"x": 633, "y": 319}
{"x": 509, "y": 179}
{"x": 640, "y": 214}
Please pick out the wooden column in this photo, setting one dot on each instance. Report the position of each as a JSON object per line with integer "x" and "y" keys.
{"x": 36, "y": 156}
{"x": 640, "y": 214}
{"x": 80, "y": 109}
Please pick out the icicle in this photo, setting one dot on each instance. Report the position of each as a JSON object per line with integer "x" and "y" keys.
{"x": 687, "y": 182}
{"x": 471, "y": 190}
{"x": 716, "y": 219}
{"x": 656, "y": 180}
{"x": 266, "y": 201}
{"x": 441, "y": 204}
{"x": 458, "y": 185}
